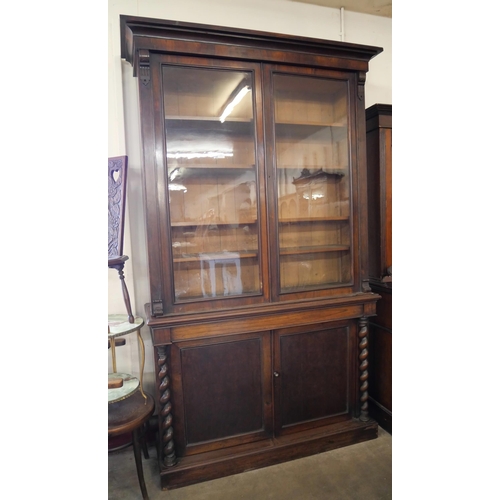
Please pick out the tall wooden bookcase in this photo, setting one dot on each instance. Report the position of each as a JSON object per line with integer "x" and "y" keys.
{"x": 379, "y": 161}
{"x": 254, "y": 158}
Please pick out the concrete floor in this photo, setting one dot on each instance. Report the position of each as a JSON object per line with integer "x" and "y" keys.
{"x": 359, "y": 472}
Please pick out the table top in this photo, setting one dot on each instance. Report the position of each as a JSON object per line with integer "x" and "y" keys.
{"x": 130, "y": 385}
{"x": 119, "y": 325}
{"x": 129, "y": 414}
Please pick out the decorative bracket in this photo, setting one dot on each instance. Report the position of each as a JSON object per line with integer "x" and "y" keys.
{"x": 361, "y": 85}
{"x": 365, "y": 285}
{"x": 144, "y": 67}
{"x": 157, "y": 307}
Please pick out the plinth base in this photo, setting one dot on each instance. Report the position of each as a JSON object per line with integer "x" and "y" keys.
{"x": 211, "y": 465}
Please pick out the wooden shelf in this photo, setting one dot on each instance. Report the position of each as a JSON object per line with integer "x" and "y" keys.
{"x": 211, "y": 223}
{"x": 217, "y": 257}
{"x": 312, "y": 124}
{"x": 315, "y": 219}
{"x": 212, "y": 166}
{"x": 337, "y": 169}
{"x": 208, "y": 119}
{"x": 306, "y": 250}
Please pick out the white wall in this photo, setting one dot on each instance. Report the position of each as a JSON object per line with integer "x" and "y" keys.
{"x": 279, "y": 16}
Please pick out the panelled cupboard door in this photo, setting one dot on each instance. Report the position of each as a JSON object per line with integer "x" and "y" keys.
{"x": 314, "y": 375}
{"x": 221, "y": 392}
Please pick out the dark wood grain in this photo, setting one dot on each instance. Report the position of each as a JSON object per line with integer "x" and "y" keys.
{"x": 279, "y": 369}
{"x": 379, "y": 154}
{"x": 223, "y": 394}
{"x": 311, "y": 376}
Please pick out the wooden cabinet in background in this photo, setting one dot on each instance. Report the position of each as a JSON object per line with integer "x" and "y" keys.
{"x": 254, "y": 167}
{"x": 379, "y": 163}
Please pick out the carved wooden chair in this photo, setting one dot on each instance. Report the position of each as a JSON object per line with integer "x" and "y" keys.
{"x": 117, "y": 181}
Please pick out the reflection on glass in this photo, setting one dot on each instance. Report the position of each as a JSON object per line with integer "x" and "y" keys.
{"x": 312, "y": 159}
{"x": 211, "y": 182}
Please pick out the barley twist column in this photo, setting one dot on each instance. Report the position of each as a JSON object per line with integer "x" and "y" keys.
{"x": 168, "y": 457}
{"x": 363, "y": 368}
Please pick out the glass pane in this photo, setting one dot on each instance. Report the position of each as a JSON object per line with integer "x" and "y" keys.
{"x": 312, "y": 158}
{"x": 210, "y": 135}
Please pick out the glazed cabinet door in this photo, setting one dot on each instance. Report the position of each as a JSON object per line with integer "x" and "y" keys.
{"x": 212, "y": 218}
{"x": 313, "y": 375}
{"x": 221, "y": 392}
{"x": 310, "y": 128}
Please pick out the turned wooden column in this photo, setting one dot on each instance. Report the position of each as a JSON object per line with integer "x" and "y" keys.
{"x": 363, "y": 368}
{"x": 167, "y": 450}
{"x": 118, "y": 263}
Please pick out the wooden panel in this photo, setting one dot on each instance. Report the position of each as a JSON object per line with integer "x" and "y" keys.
{"x": 379, "y": 161}
{"x": 194, "y": 468}
{"x": 380, "y": 360}
{"x": 311, "y": 375}
{"x": 255, "y": 323}
{"x": 380, "y": 386}
{"x": 224, "y": 391}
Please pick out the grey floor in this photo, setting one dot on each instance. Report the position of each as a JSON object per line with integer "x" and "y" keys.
{"x": 358, "y": 472}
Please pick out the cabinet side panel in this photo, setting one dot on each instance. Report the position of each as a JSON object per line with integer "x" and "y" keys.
{"x": 373, "y": 173}
{"x": 388, "y": 200}
{"x": 222, "y": 388}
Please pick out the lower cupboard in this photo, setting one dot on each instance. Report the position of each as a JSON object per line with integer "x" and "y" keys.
{"x": 234, "y": 402}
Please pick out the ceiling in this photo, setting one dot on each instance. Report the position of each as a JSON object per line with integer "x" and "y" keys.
{"x": 375, "y": 7}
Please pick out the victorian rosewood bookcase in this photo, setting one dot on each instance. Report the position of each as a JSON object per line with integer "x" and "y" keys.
{"x": 254, "y": 157}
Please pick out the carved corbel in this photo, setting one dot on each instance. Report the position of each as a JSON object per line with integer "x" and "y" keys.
{"x": 144, "y": 67}
{"x": 361, "y": 85}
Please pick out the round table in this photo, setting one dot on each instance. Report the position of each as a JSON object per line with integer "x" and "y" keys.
{"x": 130, "y": 415}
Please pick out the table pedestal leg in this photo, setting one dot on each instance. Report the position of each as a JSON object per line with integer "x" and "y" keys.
{"x": 141, "y": 343}
{"x": 113, "y": 353}
{"x": 138, "y": 462}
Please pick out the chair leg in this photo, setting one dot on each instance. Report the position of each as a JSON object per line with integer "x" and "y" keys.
{"x": 138, "y": 462}
{"x": 145, "y": 441}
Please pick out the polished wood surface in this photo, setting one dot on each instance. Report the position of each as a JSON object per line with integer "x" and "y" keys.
{"x": 379, "y": 161}
{"x": 257, "y": 225}
{"x": 129, "y": 416}
{"x": 126, "y": 415}
{"x": 225, "y": 395}
{"x": 311, "y": 381}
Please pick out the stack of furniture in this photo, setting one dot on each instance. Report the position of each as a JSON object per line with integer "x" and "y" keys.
{"x": 254, "y": 168}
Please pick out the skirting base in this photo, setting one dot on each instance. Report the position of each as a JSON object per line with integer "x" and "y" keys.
{"x": 211, "y": 465}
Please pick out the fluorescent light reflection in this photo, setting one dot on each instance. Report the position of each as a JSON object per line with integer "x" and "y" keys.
{"x": 229, "y": 108}
{"x": 314, "y": 196}
{"x": 191, "y": 155}
{"x": 172, "y": 186}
